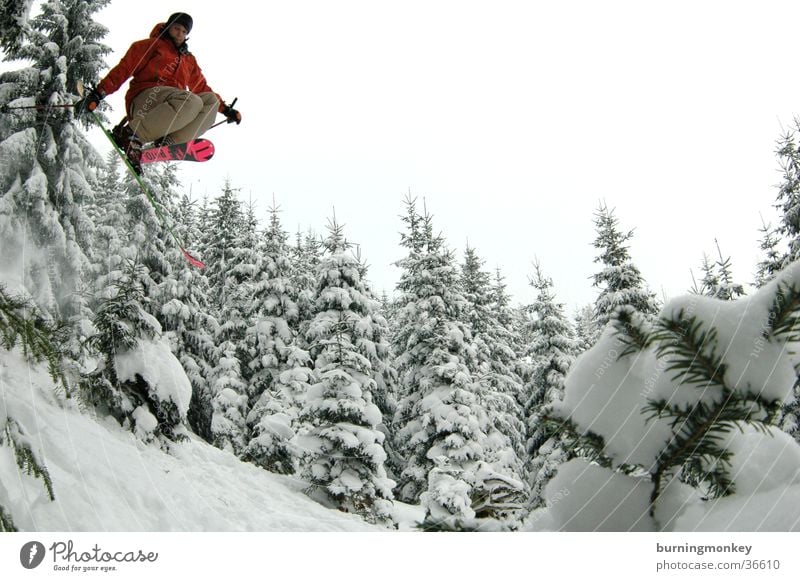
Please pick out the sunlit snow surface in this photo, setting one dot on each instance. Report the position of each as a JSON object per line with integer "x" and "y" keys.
{"x": 106, "y": 480}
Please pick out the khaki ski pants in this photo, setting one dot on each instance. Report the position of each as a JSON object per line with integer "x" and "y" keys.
{"x": 167, "y": 111}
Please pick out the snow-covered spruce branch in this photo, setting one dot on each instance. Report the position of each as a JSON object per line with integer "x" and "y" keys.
{"x": 12, "y": 434}
{"x": 22, "y": 323}
{"x": 699, "y": 428}
{"x": 579, "y": 443}
{"x": 685, "y": 344}
{"x": 633, "y": 330}
{"x": 695, "y": 386}
{"x": 27, "y": 459}
{"x": 784, "y": 315}
{"x": 6, "y": 524}
{"x": 700, "y": 431}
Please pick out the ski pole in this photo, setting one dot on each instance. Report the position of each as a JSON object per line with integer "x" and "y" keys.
{"x": 6, "y": 108}
{"x": 226, "y": 120}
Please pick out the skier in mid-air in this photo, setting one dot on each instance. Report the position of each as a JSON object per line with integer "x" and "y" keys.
{"x": 169, "y": 100}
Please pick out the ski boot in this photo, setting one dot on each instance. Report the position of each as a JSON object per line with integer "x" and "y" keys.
{"x": 165, "y": 141}
{"x": 130, "y": 145}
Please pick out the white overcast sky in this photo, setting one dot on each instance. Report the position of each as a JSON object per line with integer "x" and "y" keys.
{"x": 512, "y": 119}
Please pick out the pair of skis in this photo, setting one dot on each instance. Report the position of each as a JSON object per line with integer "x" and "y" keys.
{"x": 194, "y": 150}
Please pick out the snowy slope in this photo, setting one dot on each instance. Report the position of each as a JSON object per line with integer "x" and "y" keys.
{"x": 106, "y": 480}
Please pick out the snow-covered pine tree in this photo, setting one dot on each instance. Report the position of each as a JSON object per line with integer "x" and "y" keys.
{"x": 770, "y": 264}
{"x": 345, "y": 453}
{"x": 306, "y": 254}
{"x": 586, "y": 331}
{"x": 231, "y": 247}
{"x": 493, "y": 367}
{"x": 108, "y": 185}
{"x": 187, "y": 321}
{"x": 553, "y": 352}
{"x": 439, "y": 413}
{"x": 46, "y": 182}
{"x": 110, "y": 251}
{"x": 376, "y": 347}
{"x": 788, "y": 202}
{"x": 138, "y": 380}
{"x": 221, "y": 226}
{"x": 620, "y": 281}
{"x": 14, "y": 16}
{"x": 717, "y": 279}
{"x": 150, "y": 238}
{"x": 279, "y": 369}
{"x": 506, "y": 316}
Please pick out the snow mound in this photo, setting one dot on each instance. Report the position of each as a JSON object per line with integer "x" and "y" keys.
{"x": 105, "y": 479}
{"x": 162, "y": 371}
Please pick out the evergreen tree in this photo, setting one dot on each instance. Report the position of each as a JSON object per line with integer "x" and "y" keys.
{"x": 620, "y": 282}
{"x": 504, "y": 314}
{"x": 377, "y": 348}
{"x": 279, "y": 368}
{"x": 788, "y": 202}
{"x": 771, "y": 262}
{"x": 500, "y": 387}
{"x": 345, "y": 449}
{"x": 230, "y": 245}
{"x": 14, "y": 16}
{"x": 553, "y": 353}
{"x": 439, "y": 413}
{"x": 150, "y": 238}
{"x": 586, "y": 331}
{"x": 137, "y": 381}
{"x": 717, "y": 279}
{"x": 306, "y": 255}
{"x": 46, "y": 179}
{"x": 221, "y": 226}
{"x": 229, "y": 406}
{"x": 188, "y": 323}
{"x": 113, "y": 224}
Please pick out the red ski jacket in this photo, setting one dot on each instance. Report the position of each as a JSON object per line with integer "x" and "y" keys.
{"x": 156, "y": 62}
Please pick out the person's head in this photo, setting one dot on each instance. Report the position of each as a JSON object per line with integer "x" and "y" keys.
{"x": 178, "y": 26}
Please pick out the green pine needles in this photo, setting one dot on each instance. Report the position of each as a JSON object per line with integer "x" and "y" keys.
{"x": 25, "y": 455}
{"x": 13, "y": 435}
{"x": 784, "y": 315}
{"x": 23, "y": 324}
{"x": 688, "y": 350}
{"x": 700, "y": 428}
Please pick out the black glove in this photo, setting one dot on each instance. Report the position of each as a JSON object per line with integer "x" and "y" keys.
{"x": 232, "y": 114}
{"x": 91, "y": 101}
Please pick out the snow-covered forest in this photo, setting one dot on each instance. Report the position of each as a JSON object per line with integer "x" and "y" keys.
{"x": 280, "y": 361}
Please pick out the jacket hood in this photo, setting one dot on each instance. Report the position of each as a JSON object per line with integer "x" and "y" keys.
{"x": 157, "y": 29}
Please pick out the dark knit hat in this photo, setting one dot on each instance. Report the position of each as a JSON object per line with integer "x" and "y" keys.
{"x": 180, "y": 18}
